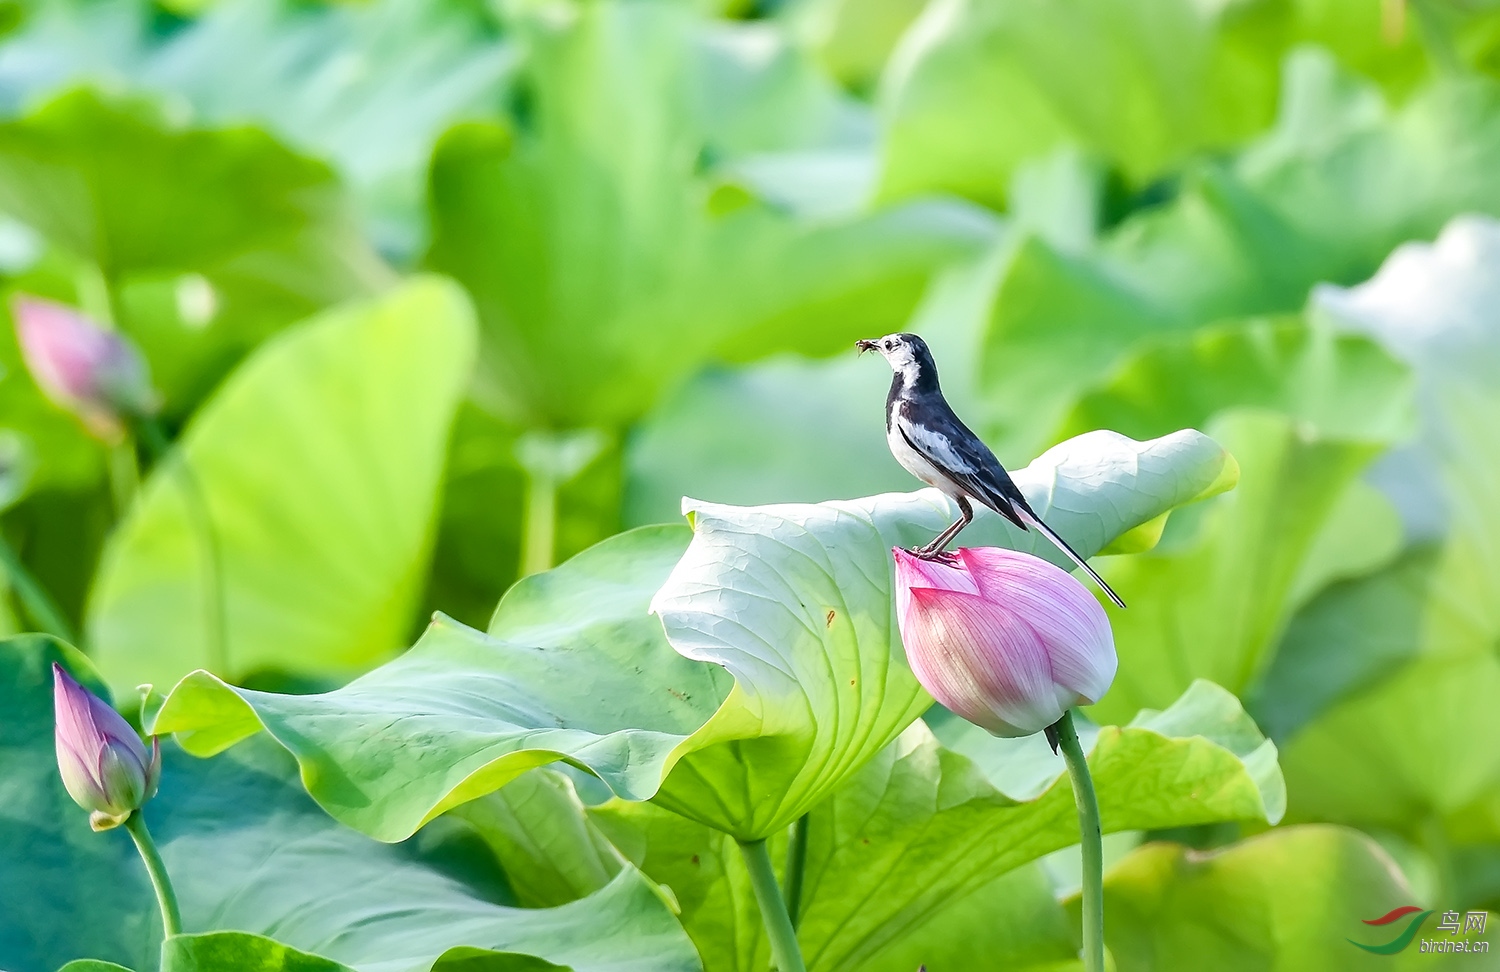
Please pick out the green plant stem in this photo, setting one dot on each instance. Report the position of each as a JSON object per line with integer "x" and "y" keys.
{"x": 796, "y": 866}
{"x": 785, "y": 953}
{"x": 34, "y": 597}
{"x": 539, "y": 530}
{"x": 124, "y": 476}
{"x": 154, "y": 437}
{"x": 166, "y": 898}
{"x": 1091, "y": 841}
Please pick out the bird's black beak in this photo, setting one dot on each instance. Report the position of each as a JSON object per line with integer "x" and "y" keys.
{"x": 865, "y": 345}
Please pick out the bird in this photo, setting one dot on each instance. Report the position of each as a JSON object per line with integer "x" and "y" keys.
{"x": 933, "y": 444}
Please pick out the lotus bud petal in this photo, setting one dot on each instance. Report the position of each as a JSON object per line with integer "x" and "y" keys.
{"x": 89, "y": 370}
{"x": 104, "y": 764}
{"x": 1004, "y": 639}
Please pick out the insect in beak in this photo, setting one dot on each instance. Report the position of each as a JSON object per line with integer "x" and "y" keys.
{"x": 865, "y": 345}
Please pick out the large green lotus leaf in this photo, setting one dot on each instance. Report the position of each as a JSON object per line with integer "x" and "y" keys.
{"x": 796, "y": 602}
{"x": 1214, "y": 598}
{"x": 1342, "y": 386}
{"x": 1405, "y": 751}
{"x": 922, "y": 828}
{"x": 1434, "y": 307}
{"x": 1355, "y": 633}
{"x": 210, "y": 239}
{"x": 1378, "y": 689}
{"x": 317, "y": 468}
{"x": 1288, "y": 899}
{"x": 537, "y": 827}
{"x": 301, "y": 72}
{"x": 606, "y": 263}
{"x": 1311, "y": 202}
{"x": 574, "y": 668}
{"x": 248, "y": 851}
{"x": 1143, "y": 85}
{"x": 1013, "y": 919}
{"x": 239, "y": 952}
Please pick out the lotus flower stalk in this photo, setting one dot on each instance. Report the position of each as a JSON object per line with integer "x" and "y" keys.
{"x": 1011, "y": 643}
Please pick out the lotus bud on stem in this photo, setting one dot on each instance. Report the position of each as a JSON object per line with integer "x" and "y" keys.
{"x": 108, "y": 771}
{"x": 1011, "y": 643}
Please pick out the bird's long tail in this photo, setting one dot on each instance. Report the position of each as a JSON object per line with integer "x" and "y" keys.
{"x": 1072, "y": 554}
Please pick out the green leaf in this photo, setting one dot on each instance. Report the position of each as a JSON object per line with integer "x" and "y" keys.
{"x": 1398, "y": 755}
{"x": 852, "y": 40}
{"x": 249, "y": 852}
{"x": 1142, "y": 85}
{"x": 238, "y": 952}
{"x": 1341, "y": 386}
{"x": 92, "y": 965}
{"x": 211, "y": 240}
{"x": 1308, "y": 203}
{"x": 317, "y": 468}
{"x": 537, "y": 828}
{"x": 1352, "y": 635}
{"x": 607, "y": 264}
{"x": 575, "y": 669}
{"x": 922, "y": 829}
{"x": 1213, "y": 600}
{"x": 1290, "y": 898}
{"x": 1385, "y": 731}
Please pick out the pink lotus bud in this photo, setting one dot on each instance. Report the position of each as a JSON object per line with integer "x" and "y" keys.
{"x": 81, "y": 366}
{"x": 104, "y": 764}
{"x": 1004, "y": 639}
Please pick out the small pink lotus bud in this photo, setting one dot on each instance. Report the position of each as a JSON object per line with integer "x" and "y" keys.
{"x": 81, "y": 366}
{"x": 1003, "y": 639}
{"x": 104, "y": 764}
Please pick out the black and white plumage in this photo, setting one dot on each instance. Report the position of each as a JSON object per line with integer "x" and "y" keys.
{"x": 933, "y": 444}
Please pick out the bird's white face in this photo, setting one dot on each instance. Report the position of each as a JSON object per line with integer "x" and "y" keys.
{"x": 896, "y": 350}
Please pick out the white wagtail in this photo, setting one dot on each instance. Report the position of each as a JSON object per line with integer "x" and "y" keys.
{"x": 933, "y": 445}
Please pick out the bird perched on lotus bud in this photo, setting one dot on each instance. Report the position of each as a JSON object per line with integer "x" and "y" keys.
{"x": 103, "y": 762}
{"x": 1006, "y": 640}
{"x": 93, "y": 372}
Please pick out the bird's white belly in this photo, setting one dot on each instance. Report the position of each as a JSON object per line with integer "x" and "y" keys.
{"x": 915, "y": 463}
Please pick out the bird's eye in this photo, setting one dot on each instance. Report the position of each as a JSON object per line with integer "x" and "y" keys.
{"x": 888, "y": 345}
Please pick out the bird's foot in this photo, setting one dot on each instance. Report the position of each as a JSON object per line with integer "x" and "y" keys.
{"x": 938, "y": 556}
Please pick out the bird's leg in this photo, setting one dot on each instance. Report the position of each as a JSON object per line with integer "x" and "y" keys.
{"x": 934, "y": 550}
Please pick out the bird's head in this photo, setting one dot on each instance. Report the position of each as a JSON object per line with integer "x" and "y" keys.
{"x": 907, "y": 354}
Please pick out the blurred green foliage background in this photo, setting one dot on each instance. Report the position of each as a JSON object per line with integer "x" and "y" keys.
{"x": 1277, "y": 221}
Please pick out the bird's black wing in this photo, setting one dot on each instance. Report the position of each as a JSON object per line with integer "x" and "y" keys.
{"x": 943, "y": 440}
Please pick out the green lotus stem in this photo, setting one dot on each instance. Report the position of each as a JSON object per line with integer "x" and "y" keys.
{"x": 785, "y": 953}
{"x": 166, "y": 898}
{"x": 34, "y": 597}
{"x": 196, "y": 502}
{"x": 796, "y": 865}
{"x": 1090, "y": 840}
{"x": 539, "y": 529}
{"x": 124, "y": 476}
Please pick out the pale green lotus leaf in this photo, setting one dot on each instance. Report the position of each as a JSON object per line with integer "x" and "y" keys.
{"x": 290, "y": 529}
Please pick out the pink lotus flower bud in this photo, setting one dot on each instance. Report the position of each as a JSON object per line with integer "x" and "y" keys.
{"x": 1003, "y": 639}
{"x": 81, "y": 366}
{"x": 104, "y": 764}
